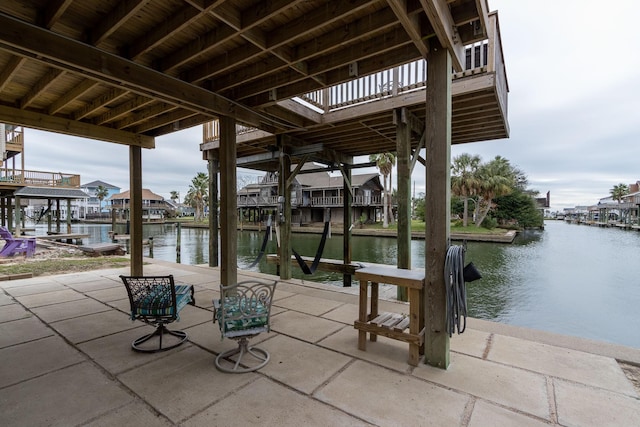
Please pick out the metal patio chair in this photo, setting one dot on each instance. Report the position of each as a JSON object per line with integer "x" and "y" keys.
{"x": 157, "y": 301}
{"x": 243, "y": 312}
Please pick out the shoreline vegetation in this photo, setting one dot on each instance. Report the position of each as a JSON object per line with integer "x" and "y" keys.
{"x": 52, "y": 258}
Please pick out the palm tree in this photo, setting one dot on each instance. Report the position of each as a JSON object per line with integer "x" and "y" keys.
{"x": 175, "y": 195}
{"x": 497, "y": 178}
{"x": 464, "y": 180}
{"x": 198, "y": 194}
{"x": 618, "y": 192}
{"x": 101, "y": 193}
{"x": 385, "y": 163}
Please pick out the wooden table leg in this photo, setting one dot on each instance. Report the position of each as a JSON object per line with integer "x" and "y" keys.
{"x": 414, "y": 322}
{"x": 421, "y": 320}
{"x": 362, "y": 314}
{"x": 374, "y": 308}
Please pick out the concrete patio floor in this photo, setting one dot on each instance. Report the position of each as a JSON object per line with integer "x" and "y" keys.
{"x": 66, "y": 360}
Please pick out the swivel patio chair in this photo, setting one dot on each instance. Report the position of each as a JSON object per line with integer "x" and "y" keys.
{"x": 157, "y": 301}
{"x": 16, "y": 245}
{"x": 242, "y": 312}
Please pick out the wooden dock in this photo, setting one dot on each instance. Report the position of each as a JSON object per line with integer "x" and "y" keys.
{"x": 97, "y": 249}
{"x": 65, "y": 237}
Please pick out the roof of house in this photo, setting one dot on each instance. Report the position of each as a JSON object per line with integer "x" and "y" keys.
{"x": 51, "y": 193}
{"x": 98, "y": 183}
{"x": 146, "y": 195}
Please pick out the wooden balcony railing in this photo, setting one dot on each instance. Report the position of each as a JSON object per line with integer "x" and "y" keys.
{"x": 337, "y": 201}
{"x": 39, "y": 178}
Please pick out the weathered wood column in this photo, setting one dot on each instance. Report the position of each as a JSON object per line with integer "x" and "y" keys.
{"x": 347, "y": 201}
{"x": 69, "y": 216}
{"x": 214, "y": 233}
{"x": 403, "y": 164}
{"x": 438, "y": 202}
{"x": 18, "y": 219}
{"x": 228, "y": 203}
{"x": 135, "y": 209}
{"x": 284, "y": 217}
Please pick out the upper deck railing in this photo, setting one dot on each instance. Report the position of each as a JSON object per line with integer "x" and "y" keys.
{"x": 39, "y": 178}
{"x": 480, "y": 58}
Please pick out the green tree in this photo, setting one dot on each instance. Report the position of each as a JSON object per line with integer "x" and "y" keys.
{"x": 619, "y": 191}
{"x": 464, "y": 180}
{"x": 198, "y": 194}
{"x": 497, "y": 178}
{"x": 385, "y": 163}
{"x": 419, "y": 207}
{"x": 101, "y": 193}
{"x": 518, "y": 206}
{"x": 175, "y": 196}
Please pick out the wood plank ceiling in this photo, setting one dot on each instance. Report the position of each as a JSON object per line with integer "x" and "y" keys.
{"x": 127, "y": 71}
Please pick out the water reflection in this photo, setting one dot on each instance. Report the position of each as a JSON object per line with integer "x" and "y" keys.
{"x": 569, "y": 279}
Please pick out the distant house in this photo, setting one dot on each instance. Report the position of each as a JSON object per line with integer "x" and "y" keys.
{"x": 92, "y": 206}
{"x": 154, "y": 207}
{"x": 313, "y": 194}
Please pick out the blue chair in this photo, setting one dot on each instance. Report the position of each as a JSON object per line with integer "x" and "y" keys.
{"x": 157, "y": 301}
{"x": 242, "y": 312}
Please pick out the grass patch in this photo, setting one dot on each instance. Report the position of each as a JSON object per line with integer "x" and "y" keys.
{"x": 43, "y": 267}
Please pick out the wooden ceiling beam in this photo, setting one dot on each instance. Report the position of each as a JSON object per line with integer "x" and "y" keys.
{"x": 53, "y": 12}
{"x": 122, "y": 109}
{"x": 76, "y": 92}
{"x": 189, "y": 122}
{"x": 47, "y": 123}
{"x": 283, "y": 35}
{"x": 146, "y": 114}
{"x": 22, "y": 38}
{"x": 392, "y": 58}
{"x": 327, "y": 14}
{"x": 174, "y": 23}
{"x": 445, "y": 28}
{"x": 341, "y": 58}
{"x": 10, "y": 70}
{"x": 115, "y": 19}
{"x": 40, "y": 87}
{"x": 410, "y": 23}
{"x": 106, "y": 98}
{"x": 162, "y": 120}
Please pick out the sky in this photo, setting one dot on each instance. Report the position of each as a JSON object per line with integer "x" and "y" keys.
{"x": 573, "y": 69}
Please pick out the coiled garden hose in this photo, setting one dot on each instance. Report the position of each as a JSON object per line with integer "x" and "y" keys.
{"x": 456, "y": 292}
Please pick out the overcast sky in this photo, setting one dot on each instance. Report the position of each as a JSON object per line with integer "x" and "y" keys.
{"x": 573, "y": 69}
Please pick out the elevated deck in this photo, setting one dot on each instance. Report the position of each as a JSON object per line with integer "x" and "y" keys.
{"x": 361, "y": 112}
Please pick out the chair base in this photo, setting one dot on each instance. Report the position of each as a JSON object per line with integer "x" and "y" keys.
{"x": 160, "y": 331}
{"x": 243, "y": 349}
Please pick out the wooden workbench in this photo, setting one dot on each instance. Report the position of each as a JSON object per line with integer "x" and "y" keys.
{"x": 409, "y": 329}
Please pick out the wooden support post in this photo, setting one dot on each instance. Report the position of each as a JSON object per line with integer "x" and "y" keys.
{"x": 69, "y": 216}
{"x": 135, "y": 209}
{"x": 347, "y": 201}
{"x": 213, "y": 210}
{"x": 284, "y": 219}
{"x": 10, "y": 219}
{"x": 438, "y": 201}
{"x": 18, "y": 222}
{"x": 403, "y": 163}
{"x": 228, "y": 203}
{"x": 57, "y": 215}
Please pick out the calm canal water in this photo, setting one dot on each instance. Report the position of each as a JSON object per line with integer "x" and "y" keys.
{"x": 570, "y": 279}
